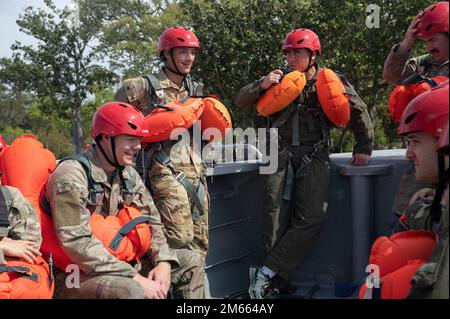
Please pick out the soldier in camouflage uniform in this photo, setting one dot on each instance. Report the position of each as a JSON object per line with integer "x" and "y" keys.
{"x": 423, "y": 121}
{"x": 117, "y": 129}
{"x": 431, "y": 26}
{"x": 178, "y": 188}
{"x": 20, "y": 231}
{"x": 303, "y": 130}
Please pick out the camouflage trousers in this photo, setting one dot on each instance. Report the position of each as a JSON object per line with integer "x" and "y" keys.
{"x": 183, "y": 228}
{"x": 187, "y": 282}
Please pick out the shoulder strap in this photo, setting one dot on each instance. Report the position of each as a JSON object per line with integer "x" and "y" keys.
{"x": 196, "y": 195}
{"x": 96, "y": 192}
{"x": 195, "y": 88}
{"x": 5, "y": 206}
{"x": 154, "y": 87}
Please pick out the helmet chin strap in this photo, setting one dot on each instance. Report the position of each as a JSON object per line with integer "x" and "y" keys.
{"x": 176, "y": 71}
{"x": 114, "y": 163}
{"x": 309, "y": 63}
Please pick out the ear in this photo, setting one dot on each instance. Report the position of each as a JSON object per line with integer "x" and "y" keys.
{"x": 166, "y": 56}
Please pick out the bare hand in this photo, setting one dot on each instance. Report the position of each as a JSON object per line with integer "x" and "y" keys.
{"x": 410, "y": 35}
{"x": 152, "y": 289}
{"x": 360, "y": 159}
{"x": 271, "y": 79}
{"x": 421, "y": 194}
{"x": 161, "y": 274}
{"x": 20, "y": 248}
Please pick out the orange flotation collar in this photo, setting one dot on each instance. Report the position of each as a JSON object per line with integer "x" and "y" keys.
{"x": 398, "y": 258}
{"x": 332, "y": 97}
{"x": 215, "y": 115}
{"x": 178, "y": 114}
{"x": 31, "y": 178}
{"x": 126, "y": 236}
{"x": 403, "y": 94}
{"x": 280, "y": 95}
{"x": 21, "y": 280}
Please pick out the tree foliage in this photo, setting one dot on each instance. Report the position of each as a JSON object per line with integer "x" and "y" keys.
{"x": 53, "y": 88}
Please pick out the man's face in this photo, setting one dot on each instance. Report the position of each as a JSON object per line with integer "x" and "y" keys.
{"x": 183, "y": 58}
{"x": 298, "y": 59}
{"x": 127, "y": 147}
{"x": 437, "y": 46}
{"x": 422, "y": 150}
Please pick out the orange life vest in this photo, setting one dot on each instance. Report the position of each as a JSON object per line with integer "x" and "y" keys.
{"x": 280, "y": 95}
{"x": 26, "y": 165}
{"x": 332, "y": 97}
{"x": 398, "y": 258}
{"x": 126, "y": 236}
{"x": 30, "y": 176}
{"x": 21, "y": 280}
{"x": 403, "y": 94}
{"x": 178, "y": 114}
{"x": 215, "y": 115}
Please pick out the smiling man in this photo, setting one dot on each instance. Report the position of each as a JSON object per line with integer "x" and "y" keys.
{"x": 179, "y": 188}
{"x": 111, "y": 185}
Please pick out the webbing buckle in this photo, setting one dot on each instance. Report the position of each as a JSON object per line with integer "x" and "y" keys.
{"x": 180, "y": 176}
{"x": 306, "y": 159}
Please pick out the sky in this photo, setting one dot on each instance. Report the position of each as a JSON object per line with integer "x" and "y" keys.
{"x": 9, "y": 30}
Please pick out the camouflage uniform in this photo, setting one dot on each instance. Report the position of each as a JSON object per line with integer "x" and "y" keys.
{"x": 103, "y": 275}
{"x": 397, "y": 68}
{"x": 431, "y": 279}
{"x": 288, "y": 236}
{"x": 18, "y": 212}
{"x": 185, "y": 227}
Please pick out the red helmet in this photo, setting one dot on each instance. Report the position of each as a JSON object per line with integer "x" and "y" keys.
{"x": 177, "y": 37}
{"x": 443, "y": 145}
{"x": 433, "y": 20}
{"x": 302, "y": 38}
{"x": 116, "y": 118}
{"x": 428, "y": 112}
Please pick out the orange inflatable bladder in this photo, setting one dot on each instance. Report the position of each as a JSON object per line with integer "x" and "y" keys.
{"x": 215, "y": 115}
{"x": 178, "y": 114}
{"x": 403, "y": 94}
{"x": 280, "y": 95}
{"x": 21, "y": 280}
{"x": 26, "y": 165}
{"x": 398, "y": 258}
{"x": 130, "y": 246}
{"x": 332, "y": 97}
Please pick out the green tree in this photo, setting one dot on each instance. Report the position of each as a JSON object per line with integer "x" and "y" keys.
{"x": 65, "y": 65}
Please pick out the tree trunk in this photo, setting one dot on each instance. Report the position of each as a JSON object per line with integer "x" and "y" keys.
{"x": 77, "y": 129}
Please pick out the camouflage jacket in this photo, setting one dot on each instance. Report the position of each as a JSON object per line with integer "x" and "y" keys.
{"x": 136, "y": 90}
{"x": 360, "y": 122}
{"x": 22, "y": 219}
{"x": 170, "y": 197}
{"x": 67, "y": 192}
{"x": 431, "y": 279}
{"x": 399, "y": 66}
